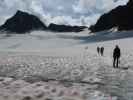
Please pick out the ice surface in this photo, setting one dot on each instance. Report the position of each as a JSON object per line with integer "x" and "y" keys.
{"x": 58, "y": 66}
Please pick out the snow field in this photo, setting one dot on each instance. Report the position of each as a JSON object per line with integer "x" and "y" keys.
{"x": 47, "y": 66}
{"x": 89, "y": 75}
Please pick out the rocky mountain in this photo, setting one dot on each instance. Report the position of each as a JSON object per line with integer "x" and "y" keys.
{"x": 22, "y": 22}
{"x": 120, "y": 17}
{"x": 65, "y": 28}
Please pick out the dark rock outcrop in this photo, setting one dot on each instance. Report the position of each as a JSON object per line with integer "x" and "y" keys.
{"x": 120, "y": 17}
{"x": 22, "y": 22}
{"x": 65, "y": 28}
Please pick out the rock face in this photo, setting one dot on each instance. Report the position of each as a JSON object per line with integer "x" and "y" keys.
{"x": 65, "y": 28}
{"x": 22, "y": 22}
{"x": 120, "y": 17}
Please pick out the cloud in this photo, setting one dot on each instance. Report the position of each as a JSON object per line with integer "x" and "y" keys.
{"x": 60, "y": 8}
{"x": 73, "y": 12}
{"x": 110, "y": 4}
{"x": 96, "y": 6}
{"x": 84, "y": 6}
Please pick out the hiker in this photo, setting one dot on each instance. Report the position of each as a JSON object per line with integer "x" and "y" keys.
{"x": 116, "y": 56}
{"x": 102, "y": 51}
{"x": 98, "y": 50}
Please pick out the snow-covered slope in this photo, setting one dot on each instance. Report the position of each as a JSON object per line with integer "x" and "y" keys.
{"x": 61, "y": 43}
{"x": 65, "y": 66}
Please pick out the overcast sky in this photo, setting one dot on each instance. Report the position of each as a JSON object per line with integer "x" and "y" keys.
{"x": 72, "y": 12}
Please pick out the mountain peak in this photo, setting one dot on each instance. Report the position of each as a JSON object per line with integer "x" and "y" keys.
{"x": 23, "y": 22}
{"x": 120, "y": 17}
{"x": 19, "y": 12}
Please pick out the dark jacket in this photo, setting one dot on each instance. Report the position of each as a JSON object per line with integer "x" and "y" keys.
{"x": 117, "y": 52}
